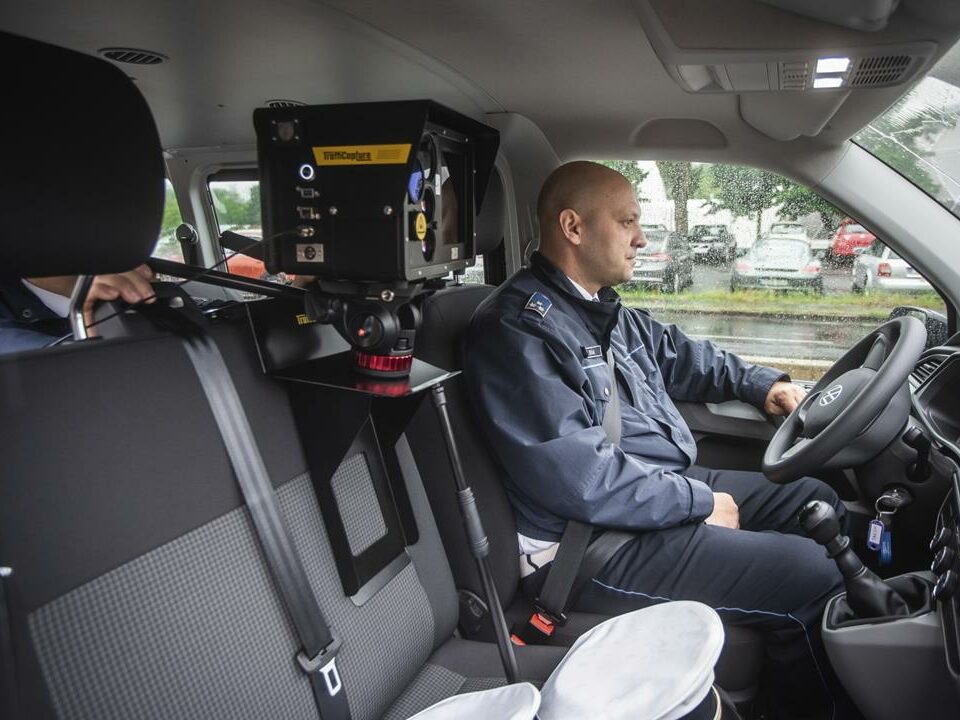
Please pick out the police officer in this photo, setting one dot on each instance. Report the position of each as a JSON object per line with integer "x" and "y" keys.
{"x": 536, "y": 365}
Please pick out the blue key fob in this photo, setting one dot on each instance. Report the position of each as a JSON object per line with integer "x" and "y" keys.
{"x": 874, "y": 535}
{"x": 886, "y": 548}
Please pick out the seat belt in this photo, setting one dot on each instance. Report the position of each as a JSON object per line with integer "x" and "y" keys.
{"x": 318, "y": 655}
{"x": 8, "y": 674}
{"x": 577, "y": 559}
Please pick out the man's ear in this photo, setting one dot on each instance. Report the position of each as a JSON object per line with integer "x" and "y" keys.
{"x": 571, "y": 226}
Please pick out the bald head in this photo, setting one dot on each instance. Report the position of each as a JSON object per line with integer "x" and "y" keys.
{"x": 589, "y": 224}
{"x": 580, "y": 186}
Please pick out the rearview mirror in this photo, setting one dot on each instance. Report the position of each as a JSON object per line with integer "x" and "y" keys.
{"x": 934, "y": 322}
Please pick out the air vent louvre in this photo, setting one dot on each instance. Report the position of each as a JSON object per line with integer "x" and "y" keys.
{"x": 880, "y": 70}
{"x": 794, "y": 75}
{"x": 280, "y": 103}
{"x": 132, "y": 56}
{"x": 926, "y": 368}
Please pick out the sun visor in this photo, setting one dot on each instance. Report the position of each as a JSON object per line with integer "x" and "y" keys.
{"x": 82, "y": 173}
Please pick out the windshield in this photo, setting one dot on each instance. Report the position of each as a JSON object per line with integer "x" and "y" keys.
{"x": 919, "y": 137}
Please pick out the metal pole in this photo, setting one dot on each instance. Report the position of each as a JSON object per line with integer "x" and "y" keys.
{"x": 477, "y": 538}
{"x": 77, "y": 298}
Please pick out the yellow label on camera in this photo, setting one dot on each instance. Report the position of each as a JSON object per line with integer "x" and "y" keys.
{"x": 420, "y": 226}
{"x": 362, "y": 154}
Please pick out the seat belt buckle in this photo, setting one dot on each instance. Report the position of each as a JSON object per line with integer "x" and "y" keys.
{"x": 539, "y": 628}
{"x": 325, "y": 662}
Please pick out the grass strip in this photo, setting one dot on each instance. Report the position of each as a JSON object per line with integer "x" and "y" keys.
{"x": 770, "y": 303}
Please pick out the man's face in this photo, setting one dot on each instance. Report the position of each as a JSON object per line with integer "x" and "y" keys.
{"x": 611, "y": 234}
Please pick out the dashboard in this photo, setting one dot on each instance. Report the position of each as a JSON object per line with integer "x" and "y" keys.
{"x": 935, "y": 386}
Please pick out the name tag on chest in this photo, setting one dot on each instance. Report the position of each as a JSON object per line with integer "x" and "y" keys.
{"x": 592, "y": 352}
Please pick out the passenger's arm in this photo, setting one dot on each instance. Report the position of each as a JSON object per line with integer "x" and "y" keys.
{"x": 526, "y": 390}
{"x": 699, "y": 371}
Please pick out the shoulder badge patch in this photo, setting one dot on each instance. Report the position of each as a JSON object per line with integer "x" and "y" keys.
{"x": 539, "y": 303}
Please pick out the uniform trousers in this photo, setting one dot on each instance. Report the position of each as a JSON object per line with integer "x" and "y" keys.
{"x": 766, "y": 575}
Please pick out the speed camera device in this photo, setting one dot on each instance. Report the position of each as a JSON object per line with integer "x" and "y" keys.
{"x": 371, "y": 192}
{"x": 372, "y": 200}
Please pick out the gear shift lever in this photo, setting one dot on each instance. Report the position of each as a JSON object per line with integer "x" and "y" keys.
{"x": 867, "y": 595}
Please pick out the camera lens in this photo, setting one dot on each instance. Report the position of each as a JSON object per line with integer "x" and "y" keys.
{"x": 429, "y": 204}
{"x": 428, "y": 245}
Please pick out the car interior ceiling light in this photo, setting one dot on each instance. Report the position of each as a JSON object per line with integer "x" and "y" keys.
{"x": 832, "y": 65}
{"x": 827, "y": 82}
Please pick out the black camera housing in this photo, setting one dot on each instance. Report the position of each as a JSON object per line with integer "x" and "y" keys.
{"x": 339, "y": 189}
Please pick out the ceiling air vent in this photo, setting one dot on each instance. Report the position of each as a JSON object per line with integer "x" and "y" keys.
{"x": 794, "y": 75}
{"x": 132, "y": 56}
{"x": 279, "y": 103}
{"x": 880, "y": 70}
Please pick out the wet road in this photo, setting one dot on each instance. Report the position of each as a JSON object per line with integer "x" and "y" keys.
{"x": 815, "y": 343}
{"x": 790, "y": 337}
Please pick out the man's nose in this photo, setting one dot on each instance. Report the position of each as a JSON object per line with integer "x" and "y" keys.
{"x": 639, "y": 240}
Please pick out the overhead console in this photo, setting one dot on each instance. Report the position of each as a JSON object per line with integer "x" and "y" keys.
{"x": 792, "y": 73}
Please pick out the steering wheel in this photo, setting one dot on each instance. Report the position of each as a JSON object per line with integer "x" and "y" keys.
{"x": 856, "y": 408}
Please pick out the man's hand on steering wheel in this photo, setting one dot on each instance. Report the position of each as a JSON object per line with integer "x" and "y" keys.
{"x": 783, "y": 398}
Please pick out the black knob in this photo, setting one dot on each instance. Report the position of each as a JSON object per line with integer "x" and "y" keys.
{"x": 943, "y": 536}
{"x": 943, "y": 560}
{"x": 819, "y": 521}
{"x": 946, "y": 586}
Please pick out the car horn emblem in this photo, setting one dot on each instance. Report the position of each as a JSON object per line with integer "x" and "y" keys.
{"x": 830, "y": 395}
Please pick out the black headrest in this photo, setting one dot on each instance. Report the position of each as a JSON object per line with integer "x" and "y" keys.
{"x": 446, "y": 315}
{"x": 81, "y": 174}
{"x": 489, "y": 225}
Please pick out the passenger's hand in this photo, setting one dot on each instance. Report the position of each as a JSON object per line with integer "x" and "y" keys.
{"x": 133, "y": 287}
{"x": 725, "y": 512}
{"x": 783, "y": 398}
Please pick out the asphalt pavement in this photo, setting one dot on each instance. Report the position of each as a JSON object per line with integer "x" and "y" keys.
{"x": 791, "y": 340}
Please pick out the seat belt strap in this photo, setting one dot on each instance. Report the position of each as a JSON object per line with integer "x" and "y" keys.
{"x": 612, "y": 424}
{"x": 8, "y": 674}
{"x": 318, "y": 655}
{"x": 577, "y": 559}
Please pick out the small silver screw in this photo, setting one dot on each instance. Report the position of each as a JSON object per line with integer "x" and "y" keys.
{"x": 387, "y": 295}
{"x": 387, "y": 210}
{"x": 333, "y": 210}
{"x": 6, "y": 572}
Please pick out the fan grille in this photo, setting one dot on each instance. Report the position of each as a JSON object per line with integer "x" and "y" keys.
{"x": 133, "y": 56}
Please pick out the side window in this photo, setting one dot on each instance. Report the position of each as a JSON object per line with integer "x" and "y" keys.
{"x": 236, "y": 204}
{"x": 168, "y": 247}
{"x": 763, "y": 267}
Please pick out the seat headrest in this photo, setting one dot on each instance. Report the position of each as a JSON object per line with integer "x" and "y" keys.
{"x": 490, "y": 223}
{"x": 81, "y": 180}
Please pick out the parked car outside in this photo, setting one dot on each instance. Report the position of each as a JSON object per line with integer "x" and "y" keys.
{"x": 850, "y": 236}
{"x": 713, "y": 242}
{"x": 654, "y": 232}
{"x": 879, "y": 269}
{"x": 778, "y": 263}
{"x": 788, "y": 230}
{"x": 666, "y": 263}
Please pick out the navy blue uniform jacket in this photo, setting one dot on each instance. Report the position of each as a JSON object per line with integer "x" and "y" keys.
{"x": 537, "y": 379}
{"x": 25, "y": 322}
